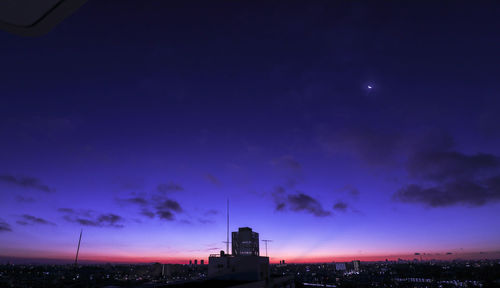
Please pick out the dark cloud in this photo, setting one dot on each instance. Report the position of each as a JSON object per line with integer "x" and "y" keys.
{"x": 32, "y": 220}
{"x": 437, "y": 173}
{"x": 303, "y": 202}
{"x": 443, "y": 176}
{"x": 165, "y": 209}
{"x": 110, "y": 220}
{"x": 88, "y": 218}
{"x": 472, "y": 193}
{"x": 156, "y": 205}
{"x": 450, "y": 165}
{"x": 147, "y": 213}
{"x": 24, "y": 199}
{"x": 169, "y": 205}
{"x": 297, "y": 202}
{"x": 26, "y": 182}
{"x": 340, "y": 206}
{"x": 170, "y": 187}
{"x": 212, "y": 179}
{"x": 165, "y": 215}
{"x": 5, "y": 227}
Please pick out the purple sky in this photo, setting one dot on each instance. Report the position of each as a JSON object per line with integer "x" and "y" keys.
{"x": 136, "y": 121}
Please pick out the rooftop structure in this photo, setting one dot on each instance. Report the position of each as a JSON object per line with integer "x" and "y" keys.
{"x": 245, "y": 242}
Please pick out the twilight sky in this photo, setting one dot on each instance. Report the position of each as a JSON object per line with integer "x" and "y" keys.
{"x": 136, "y": 120}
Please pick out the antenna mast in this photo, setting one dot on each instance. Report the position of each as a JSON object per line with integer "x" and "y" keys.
{"x": 78, "y": 249}
{"x": 227, "y": 233}
{"x": 266, "y": 241}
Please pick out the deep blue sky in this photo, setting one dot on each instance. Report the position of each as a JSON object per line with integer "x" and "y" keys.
{"x": 136, "y": 120}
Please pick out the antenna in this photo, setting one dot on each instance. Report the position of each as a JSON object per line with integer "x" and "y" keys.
{"x": 78, "y": 249}
{"x": 266, "y": 241}
{"x": 227, "y": 241}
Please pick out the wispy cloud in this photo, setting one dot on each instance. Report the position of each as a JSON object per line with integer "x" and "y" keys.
{"x": 23, "y": 199}
{"x": 212, "y": 179}
{"x": 32, "y": 220}
{"x": 157, "y": 205}
{"x": 169, "y": 187}
{"x": 90, "y": 218}
{"x": 4, "y": 226}
{"x": 340, "y": 206}
{"x": 25, "y": 182}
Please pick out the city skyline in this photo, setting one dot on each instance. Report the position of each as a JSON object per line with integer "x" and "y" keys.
{"x": 341, "y": 131}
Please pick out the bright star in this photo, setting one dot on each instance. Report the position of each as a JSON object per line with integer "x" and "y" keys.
{"x": 370, "y": 87}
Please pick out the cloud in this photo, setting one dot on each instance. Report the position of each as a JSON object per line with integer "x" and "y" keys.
{"x": 23, "y": 199}
{"x": 88, "y": 218}
{"x": 353, "y": 191}
{"x": 450, "y": 165}
{"x": 148, "y": 213}
{"x": 169, "y": 205}
{"x": 26, "y": 182}
{"x": 472, "y": 193}
{"x": 205, "y": 221}
{"x": 340, "y": 206}
{"x": 165, "y": 215}
{"x": 211, "y": 212}
{"x": 303, "y": 202}
{"x": 437, "y": 174}
{"x": 32, "y": 220}
{"x": 207, "y": 216}
{"x": 212, "y": 179}
{"x": 5, "y": 227}
{"x": 442, "y": 176}
{"x": 297, "y": 202}
{"x": 165, "y": 209}
{"x": 136, "y": 200}
{"x": 157, "y": 204}
{"x": 170, "y": 187}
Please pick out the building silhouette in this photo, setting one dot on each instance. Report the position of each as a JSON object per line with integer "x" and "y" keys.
{"x": 244, "y": 264}
{"x": 245, "y": 242}
{"x": 356, "y": 264}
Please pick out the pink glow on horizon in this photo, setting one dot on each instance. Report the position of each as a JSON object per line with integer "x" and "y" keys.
{"x": 132, "y": 259}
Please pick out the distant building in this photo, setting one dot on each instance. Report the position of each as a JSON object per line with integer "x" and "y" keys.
{"x": 202, "y": 262}
{"x": 195, "y": 261}
{"x": 190, "y": 262}
{"x": 245, "y": 242}
{"x": 340, "y": 266}
{"x": 356, "y": 264}
{"x": 244, "y": 264}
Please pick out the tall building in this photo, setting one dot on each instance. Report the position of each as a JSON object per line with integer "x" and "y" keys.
{"x": 245, "y": 242}
{"x": 340, "y": 266}
{"x": 195, "y": 261}
{"x": 244, "y": 264}
{"x": 356, "y": 264}
{"x": 202, "y": 262}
